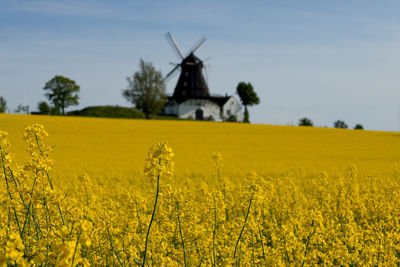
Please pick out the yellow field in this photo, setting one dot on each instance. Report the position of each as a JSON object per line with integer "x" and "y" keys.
{"x": 108, "y": 147}
{"x": 279, "y": 195}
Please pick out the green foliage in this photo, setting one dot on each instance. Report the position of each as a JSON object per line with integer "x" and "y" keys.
{"x": 3, "y": 105}
{"x": 358, "y": 127}
{"x": 55, "y": 111}
{"x": 108, "y": 112}
{"x": 43, "y": 108}
{"x": 62, "y": 92}
{"x": 305, "y": 122}
{"x": 248, "y": 97}
{"x": 231, "y": 118}
{"x": 146, "y": 89}
{"x": 340, "y": 124}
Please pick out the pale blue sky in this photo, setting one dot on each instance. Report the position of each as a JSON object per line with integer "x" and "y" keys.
{"x": 325, "y": 60}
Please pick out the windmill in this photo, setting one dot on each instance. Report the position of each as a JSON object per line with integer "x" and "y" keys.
{"x": 191, "y": 82}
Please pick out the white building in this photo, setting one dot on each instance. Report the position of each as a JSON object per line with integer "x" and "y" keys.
{"x": 210, "y": 108}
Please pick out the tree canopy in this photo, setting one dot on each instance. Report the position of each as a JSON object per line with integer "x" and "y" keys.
{"x": 358, "y": 127}
{"x": 62, "y": 92}
{"x": 305, "y": 122}
{"x": 3, "y": 105}
{"x": 340, "y": 124}
{"x": 44, "y": 108}
{"x": 146, "y": 89}
{"x": 248, "y": 97}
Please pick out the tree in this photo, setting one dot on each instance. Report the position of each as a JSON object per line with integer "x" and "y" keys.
{"x": 305, "y": 122}
{"x": 247, "y": 96}
{"x": 62, "y": 92}
{"x": 3, "y": 105}
{"x": 146, "y": 89}
{"x": 340, "y": 124}
{"x": 44, "y": 108}
{"x": 358, "y": 127}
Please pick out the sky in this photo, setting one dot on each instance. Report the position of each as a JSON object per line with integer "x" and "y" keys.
{"x": 325, "y": 60}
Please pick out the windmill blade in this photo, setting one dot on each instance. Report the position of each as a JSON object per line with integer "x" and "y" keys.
{"x": 198, "y": 44}
{"x": 171, "y": 72}
{"x": 173, "y": 43}
{"x": 206, "y": 59}
{"x": 206, "y": 74}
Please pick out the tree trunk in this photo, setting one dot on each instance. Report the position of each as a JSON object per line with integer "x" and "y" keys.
{"x": 63, "y": 111}
{"x": 147, "y": 116}
{"x": 246, "y": 115}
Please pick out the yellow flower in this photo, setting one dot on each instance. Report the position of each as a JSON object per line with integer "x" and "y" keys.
{"x": 159, "y": 161}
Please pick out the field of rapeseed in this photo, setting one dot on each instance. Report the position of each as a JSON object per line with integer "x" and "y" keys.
{"x": 83, "y": 191}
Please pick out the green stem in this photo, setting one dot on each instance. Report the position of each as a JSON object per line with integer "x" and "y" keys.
{"x": 49, "y": 179}
{"x": 214, "y": 232}
{"x": 244, "y": 224}
{"x": 253, "y": 249}
{"x": 76, "y": 248}
{"x": 262, "y": 242}
{"x": 181, "y": 234}
{"x": 11, "y": 198}
{"x": 23, "y": 201}
{"x": 308, "y": 241}
{"x": 112, "y": 247}
{"x": 151, "y": 220}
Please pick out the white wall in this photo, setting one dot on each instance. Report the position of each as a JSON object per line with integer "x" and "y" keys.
{"x": 188, "y": 109}
{"x": 234, "y": 107}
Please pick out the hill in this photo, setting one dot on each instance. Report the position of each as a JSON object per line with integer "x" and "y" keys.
{"x": 117, "y": 112}
{"x": 108, "y": 112}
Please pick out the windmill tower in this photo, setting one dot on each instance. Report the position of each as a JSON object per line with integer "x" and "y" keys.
{"x": 191, "y": 82}
{"x": 191, "y": 97}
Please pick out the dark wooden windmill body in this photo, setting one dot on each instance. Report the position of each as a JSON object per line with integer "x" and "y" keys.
{"x": 191, "y": 82}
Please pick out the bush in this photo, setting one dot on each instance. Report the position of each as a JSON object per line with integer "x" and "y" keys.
{"x": 340, "y": 124}
{"x": 358, "y": 127}
{"x": 231, "y": 118}
{"x": 44, "y": 108}
{"x": 305, "y": 122}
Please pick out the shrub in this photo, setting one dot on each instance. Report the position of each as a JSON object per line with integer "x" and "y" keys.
{"x": 305, "y": 122}
{"x": 358, "y": 127}
{"x": 340, "y": 124}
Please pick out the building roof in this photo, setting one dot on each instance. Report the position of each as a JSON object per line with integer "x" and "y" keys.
{"x": 219, "y": 100}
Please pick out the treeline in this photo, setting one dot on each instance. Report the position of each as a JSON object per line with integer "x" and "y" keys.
{"x": 337, "y": 124}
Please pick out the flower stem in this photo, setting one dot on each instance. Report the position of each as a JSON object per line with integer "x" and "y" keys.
{"x": 244, "y": 224}
{"x": 181, "y": 234}
{"x": 214, "y": 231}
{"x": 151, "y": 220}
